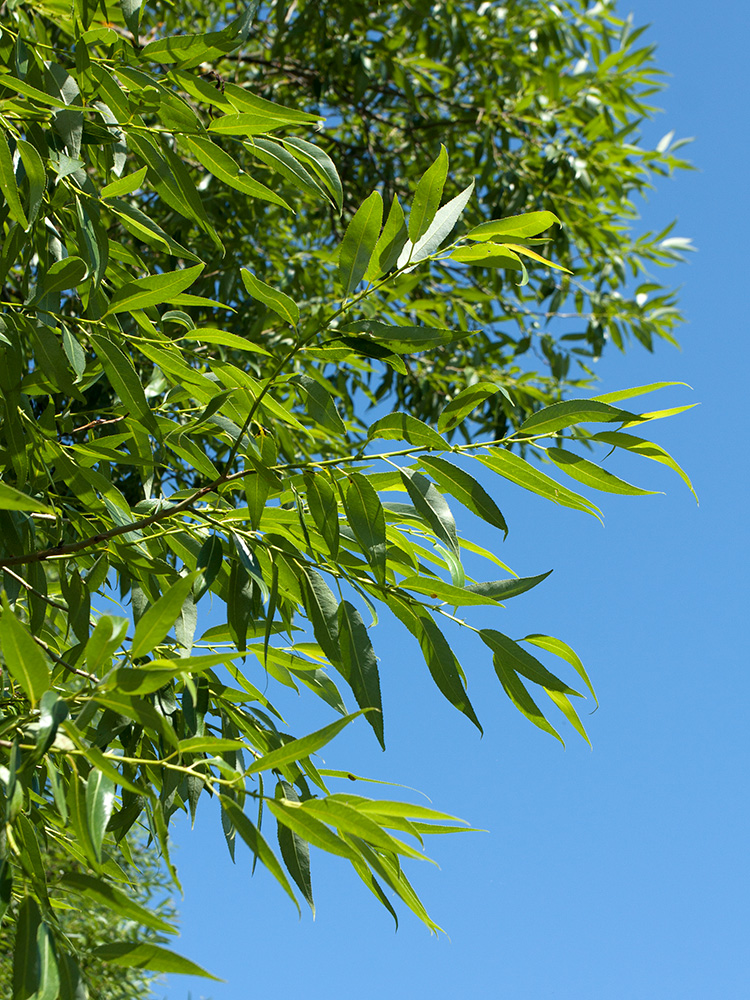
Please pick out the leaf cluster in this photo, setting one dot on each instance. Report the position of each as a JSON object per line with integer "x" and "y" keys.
{"x": 182, "y": 362}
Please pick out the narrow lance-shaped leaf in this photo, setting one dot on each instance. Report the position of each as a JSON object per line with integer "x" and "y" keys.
{"x": 114, "y": 899}
{"x": 36, "y": 175}
{"x": 100, "y": 795}
{"x": 522, "y": 662}
{"x": 640, "y": 446}
{"x": 518, "y": 471}
{"x": 156, "y": 622}
{"x": 49, "y": 975}
{"x": 359, "y": 242}
{"x": 432, "y": 506}
{"x": 592, "y": 475}
{"x": 427, "y": 196}
{"x": 23, "y": 657}
{"x": 454, "y": 412}
{"x": 442, "y": 225}
{"x": 297, "y": 749}
{"x": 564, "y": 651}
{"x": 294, "y": 849}
{"x": 226, "y": 169}
{"x": 324, "y": 165}
{"x": 257, "y": 844}
{"x": 518, "y": 226}
{"x": 521, "y": 698}
{"x": 144, "y": 955}
{"x": 8, "y": 184}
{"x": 26, "y": 958}
{"x": 404, "y": 427}
{"x": 322, "y": 609}
{"x": 124, "y": 379}
{"x": 321, "y": 500}
{"x": 558, "y": 416}
{"x": 390, "y": 242}
{"x": 440, "y": 658}
{"x": 153, "y": 290}
{"x": 367, "y": 519}
{"x": 360, "y": 665}
{"x": 276, "y": 300}
{"x": 465, "y": 489}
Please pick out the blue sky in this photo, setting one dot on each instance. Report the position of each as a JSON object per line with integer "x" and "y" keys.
{"x": 616, "y": 873}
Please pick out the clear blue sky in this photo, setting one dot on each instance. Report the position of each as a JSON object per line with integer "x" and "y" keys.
{"x": 617, "y": 874}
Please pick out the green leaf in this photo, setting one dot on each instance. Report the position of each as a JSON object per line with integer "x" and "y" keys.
{"x": 404, "y": 339}
{"x": 517, "y": 659}
{"x": 556, "y": 417}
{"x": 403, "y": 427}
{"x": 309, "y": 828}
{"x": 465, "y": 489}
{"x": 214, "y": 745}
{"x": 124, "y": 185}
{"x": 36, "y": 174}
{"x": 49, "y": 975}
{"x": 226, "y": 169}
{"x": 296, "y": 750}
{"x": 488, "y": 255}
{"x": 359, "y": 242}
{"x": 523, "y": 251}
{"x": 439, "y": 229}
{"x": 144, "y": 955}
{"x": 465, "y": 401}
{"x": 65, "y": 273}
{"x": 440, "y": 658}
{"x": 521, "y": 698}
{"x": 23, "y": 658}
{"x": 26, "y": 957}
{"x": 432, "y": 506}
{"x": 153, "y": 290}
{"x": 119, "y": 902}
{"x": 390, "y": 242}
{"x": 321, "y": 500}
{"x": 124, "y": 379}
{"x": 320, "y": 403}
{"x": 8, "y": 184}
{"x": 277, "y": 301}
{"x": 282, "y": 161}
{"x": 518, "y": 471}
{"x": 592, "y": 475}
{"x": 12, "y": 499}
{"x": 640, "y": 390}
{"x": 366, "y": 517}
{"x": 639, "y": 446}
{"x": 359, "y": 665}
{"x": 156, "y": 622}
{"x": 53, "y": 711}
{"x": 502, "y": 590}
{"x": 100, "y": 797}
{"x": 324, "y": 165}
{"x": 144, "y": 229}
{"x": 131, "y": 11}
{"x": 563, "y": 650}
{"x": 294, "y": 849}
{"x": 189, "y": 50}
{"x": 427, "y": 196}
{"x": 446, "y": 592}
{"x": 516, "y": 226}
{"x": 104, "y": 640}
{"x": 257, "y": 844}
{"x": 349, "y": 820}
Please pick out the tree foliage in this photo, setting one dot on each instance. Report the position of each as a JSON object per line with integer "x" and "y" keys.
{"x": 223, "y": 238}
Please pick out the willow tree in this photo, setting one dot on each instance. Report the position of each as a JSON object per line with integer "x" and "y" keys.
{"x": 209, "y": 269}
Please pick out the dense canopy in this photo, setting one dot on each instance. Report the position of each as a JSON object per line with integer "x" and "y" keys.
{"x": 287, "y": 287}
